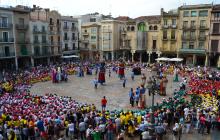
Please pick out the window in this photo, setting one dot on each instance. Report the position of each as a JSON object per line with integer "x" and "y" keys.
{"x": 35, "y": 39}
{"x": 165, "y": 22}
{"x": 74, "y": 46}
{"x": 150, "y": 27}
{"x": 154, "y": 44}
{"x": 35, "y": 28}
{"x": 51, "y": 21}
{"x": 66, "y": 47}
{"x": 37, "y": 50}
{"x": 193, "y": 23}
{"x": 73, "y": 36}
{"x": 155, "y": 27}
{"x": 93, "y": 30}
{"x": 173, "y": 34}
{"x": 21, "y": 37}
{"x": 43, "y": 28}
{"x": 141, "y": 27}
{"x": 192, "y": 34}
{"x": 202, "y": 23}
{"x": 58, "y": 21}
{"x": 21, "y": 21}
{"x": 93, "y": 37}
{"x": 184, "y": 45}
{"x": 202, "y": 33}
{"x": 73, "y": 25}
{"x": 217, "y": 15}
{"x": 128, "y": 28}
{"x": 65, "y": 36}
{"x": 51, "y": 39}
{"x": 4, "y": 22}
{"x": 215, "y": 29}
{"x": 201, "y": 45}
{"x": 193, "y": 13}
{"x": 164, "y": 34}
{"x": 24, "y": 50}
{"x": 203, "y": 13}
{"x": 5, "y": 36}
{"x": 214, "y": 45}
{"x": 173, "y": 21}
{"x": 51, "y": 28}
{"x": 185, "y": 13}
{"x": 184, "y": 34}
{"x": 185, "y": 23}
{"x": 44, "y": 39}
{"x": 7, "y": 51}
{"x": 65, "y": 25}
{"x": 191, "y": 45}
{"x": 92, "y": 19}
{"x": 132, "y": 28}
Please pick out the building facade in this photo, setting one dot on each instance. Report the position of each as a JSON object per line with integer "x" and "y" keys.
{"x": 194, "y": 24}
{"x": 7, "y": 41}
{"x": 214, "y": 49}
{"x": 54, "y": 20}
{"x": 90, "y": 41}
{"x": 39, "y": 37}
{"x": 70, "y": 35}
{"x": 169, "y": 33}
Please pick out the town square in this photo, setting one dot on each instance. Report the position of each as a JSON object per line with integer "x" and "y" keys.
{"x": 109, "y": 70}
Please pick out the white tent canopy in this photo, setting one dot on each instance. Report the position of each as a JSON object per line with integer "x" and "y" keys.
{"x": 70, "y": 56}
{"x": 176, "y": 59}
{"x": 162, "y": 59}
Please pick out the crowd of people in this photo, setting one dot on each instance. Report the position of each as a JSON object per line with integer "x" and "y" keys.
{"x": 24, "y": 115}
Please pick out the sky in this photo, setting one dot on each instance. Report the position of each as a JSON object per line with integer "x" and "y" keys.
{"x": 131, "y": 8}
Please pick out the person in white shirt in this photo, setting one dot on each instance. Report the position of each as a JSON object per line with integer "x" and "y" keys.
{"x": 89, "y": 132}
{"x": 71, "y": 130}
{"x": 146, "y": 135}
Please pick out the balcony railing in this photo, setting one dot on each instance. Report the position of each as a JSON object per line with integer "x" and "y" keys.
{"x": 85, "y": 41}
{"x": 173, "y": 38}
{"x": 65, "y": 28}
{"x": 37, "y": 54}
{"x": 5, "y": 25}
{"x": 188, "y": 37}
{"x": 74, "y": 28}
{"x": 165, "y": 38}
{"x": 85, "y": 33}
{"x": 36, "y": 42}
{"x": 6, "y": 40}
{"x": 22, "y": 26}
{"x": 55, "y": 43}
{"x": 165, "y": 26}
{"x": 36, "y": 31}
{"x": 11, "y": 54}
{"x": 27, "y": 41}
{"x": 202, "y": 37}
{"x": 66, "y": 38}
{"x": 215, "y": 33}
{"x": 203, "y": 27}
{"x": 24, "y": 52}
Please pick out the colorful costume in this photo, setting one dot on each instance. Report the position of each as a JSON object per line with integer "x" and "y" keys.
{"x": 101, "y": 78}
{"x": 121, "y": 72}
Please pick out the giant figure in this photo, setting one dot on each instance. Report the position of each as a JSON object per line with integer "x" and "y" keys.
{"x": 101, "y": 78}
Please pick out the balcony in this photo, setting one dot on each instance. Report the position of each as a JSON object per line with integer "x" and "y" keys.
{"x": 42, "y": 54}
{"x": 5, "y": 25}
{"x": 22, "y": 26}
{"x": 202, "y": 37}
{"x": 173, "y": 26}
{"x": 85, "y": 33}
{"x": 24, "y": 51}
{"x": 45, "y": 43}
{"x": 193, "y": 50}
{"x": 36, "y": 42}
{"x": 27, "y": 41}
{"x": 193, "y": 27}
{"x": 173, "y": 38}
{"x": 74, "y": 28}
{"x": 84, "y": 48}
{"x": 66, "y": 38}
{"x": 188, "y": 38}
{"x": 65, "y": 28}
{"x": 36, "y": 31}
{"x": 55, "y": 43}
{"x": 185, "y": 27}
{"x": 203, "y": 27}
{"x": 165, "y": 26}
{"x": 165, "y": 38}
{"x": 51, "y": 23}
{"x": 6, "y": 40}
{"x": 85, "y": 41}
{"x": 214, "y": 32}
{"x": 7, "y": 55}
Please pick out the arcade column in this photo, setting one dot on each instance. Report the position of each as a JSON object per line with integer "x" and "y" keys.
{"x": 194, "y": 59}
{"x": 149, "y": 53}
{"x": 132, "y": 55}
{"x": 206, "y": 60}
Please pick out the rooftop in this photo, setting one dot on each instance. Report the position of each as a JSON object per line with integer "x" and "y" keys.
{"x": 198, "y": 6}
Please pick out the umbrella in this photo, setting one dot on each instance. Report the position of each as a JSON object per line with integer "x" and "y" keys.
{"x": 176, "y": 59}
{"x": 163, "y": 59}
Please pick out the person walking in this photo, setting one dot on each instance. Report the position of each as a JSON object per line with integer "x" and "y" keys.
{"x": 103, "y": 103}
{"x": 124, "y": 82}
{"x": 131, "y": 97}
